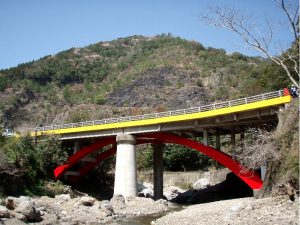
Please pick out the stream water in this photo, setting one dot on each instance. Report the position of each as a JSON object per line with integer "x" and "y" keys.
{"x": 146, "y": 220}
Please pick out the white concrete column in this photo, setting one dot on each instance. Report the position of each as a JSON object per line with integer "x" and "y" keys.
{"x": 125, "y": 176}
{"x": 158, "y": 170}
{"x": 205, "y": 137}
{"x": 263, "y": 171}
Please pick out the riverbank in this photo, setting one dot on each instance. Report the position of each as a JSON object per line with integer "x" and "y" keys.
{"x": 78, "y": 210}
{"x": 63, "y": 209}
{"x": 268, "y": 211}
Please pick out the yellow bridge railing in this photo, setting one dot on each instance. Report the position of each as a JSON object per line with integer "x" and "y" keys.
{"x": 193, "y": 110}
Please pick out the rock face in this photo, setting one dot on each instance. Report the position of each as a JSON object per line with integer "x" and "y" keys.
{"x": 176, "y": 90}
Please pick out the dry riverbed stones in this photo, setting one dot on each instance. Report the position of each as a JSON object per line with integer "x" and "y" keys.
{"x": 79, "y": 210}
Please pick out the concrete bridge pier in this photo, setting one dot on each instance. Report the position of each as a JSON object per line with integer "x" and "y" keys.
{"x": 76, "y": 147}
{"x": 232, "y": 138}
{"x": 218, "y": 141}
{"x": 125, "y": 176}
{"x": 158, "y": 169}
{"x": 205, "y": 137}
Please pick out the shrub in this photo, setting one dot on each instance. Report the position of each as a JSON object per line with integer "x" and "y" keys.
{"x": 180, "y": 158}
{"x": 100, "y": 99}
{"x": 38, "y": 161}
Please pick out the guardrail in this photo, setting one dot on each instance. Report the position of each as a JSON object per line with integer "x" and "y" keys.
{"x": 204, "y": 108}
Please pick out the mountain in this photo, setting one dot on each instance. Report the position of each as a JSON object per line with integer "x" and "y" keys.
{"x": 128, "y": 76}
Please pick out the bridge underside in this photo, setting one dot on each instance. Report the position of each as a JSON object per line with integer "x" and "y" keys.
{"x": 87, "y": 163}
{"x": 225, "y": 124}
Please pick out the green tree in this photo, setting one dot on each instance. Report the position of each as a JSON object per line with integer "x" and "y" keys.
{"x": 180, "y": 158}
{"x": 49, "y": 155}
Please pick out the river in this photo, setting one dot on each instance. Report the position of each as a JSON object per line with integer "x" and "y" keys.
{"x": 146, "y": 220}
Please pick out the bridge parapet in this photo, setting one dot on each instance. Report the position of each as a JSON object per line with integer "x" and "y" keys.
{"x": 201, "y": 109}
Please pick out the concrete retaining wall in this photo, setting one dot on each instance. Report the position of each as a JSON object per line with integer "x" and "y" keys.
{"x": 185, "y": 179}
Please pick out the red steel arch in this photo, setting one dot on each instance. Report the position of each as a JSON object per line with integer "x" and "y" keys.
{"x": 72, "y": 160}
{"x": 251, "y": 178}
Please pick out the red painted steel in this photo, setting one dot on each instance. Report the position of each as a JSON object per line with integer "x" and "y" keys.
{"x": 251, "y": 178}
{"x": 72, "y": 160}
{"x": 101, "y": 157}
{"x": 286, "y": 92}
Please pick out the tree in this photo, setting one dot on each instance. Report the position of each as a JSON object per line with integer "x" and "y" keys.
{"x": 236, "y": 21}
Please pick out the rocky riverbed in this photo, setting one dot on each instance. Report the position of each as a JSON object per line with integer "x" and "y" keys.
{"x": 79, "y": 210}
{"x": 268, "y": 211}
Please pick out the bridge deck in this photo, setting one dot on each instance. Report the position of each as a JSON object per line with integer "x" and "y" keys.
{"x": 218, "y": 109}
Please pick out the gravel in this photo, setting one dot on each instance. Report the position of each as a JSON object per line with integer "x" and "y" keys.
{"x": 268, "y": 211}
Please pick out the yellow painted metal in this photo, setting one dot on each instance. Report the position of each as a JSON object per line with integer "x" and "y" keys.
{"x": 170, "y": 119}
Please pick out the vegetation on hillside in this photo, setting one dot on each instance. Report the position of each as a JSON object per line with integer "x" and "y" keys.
{"x": 95, "y": 81}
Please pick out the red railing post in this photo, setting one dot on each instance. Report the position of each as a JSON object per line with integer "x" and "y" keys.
{"x": 286, "y": 92}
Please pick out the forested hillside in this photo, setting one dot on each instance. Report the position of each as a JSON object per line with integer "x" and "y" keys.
{"x": 127, "y": 76}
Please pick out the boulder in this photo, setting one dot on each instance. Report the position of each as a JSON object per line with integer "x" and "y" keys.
{"x": 107, "y": 208}
{"x": 118, "y": 202}
{"x": 4, "y": 212}
{"x": 12, "y": 202}
{"x": 63, "y": 197}
{"x": 118, "y": 199}
{"x": 201, "y": 184}
{"x": 172, "y": 192}
{"x": 20, "y": 217}
{"x": 145, "y": 190}
{"x": 147, "y": 193}
{"x": 87, "y": 201}
{"x": 27, "y": 209}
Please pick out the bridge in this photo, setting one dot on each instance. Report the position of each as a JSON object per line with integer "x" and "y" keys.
{"x": 111, "y": 136}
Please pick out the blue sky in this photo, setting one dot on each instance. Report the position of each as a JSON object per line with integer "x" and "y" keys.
{"x": 31, "y": 29}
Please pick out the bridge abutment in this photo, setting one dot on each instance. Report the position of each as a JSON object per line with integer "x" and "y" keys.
{"x": 158, "y": 169}
{"x": 125, "y": 176}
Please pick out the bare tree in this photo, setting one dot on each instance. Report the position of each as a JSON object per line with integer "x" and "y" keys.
{"x": 259, "y": 148}
{"x": 241, "y": 24}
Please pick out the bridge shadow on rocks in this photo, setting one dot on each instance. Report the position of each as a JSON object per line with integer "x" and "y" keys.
{"x": 99, "y": 187}
{"x": 232, "y": 187}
